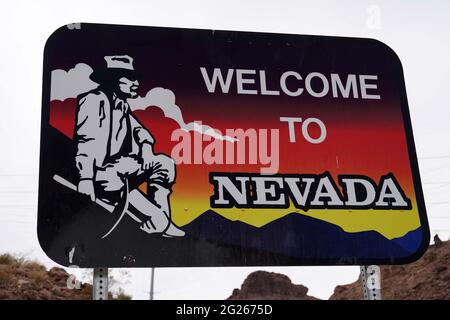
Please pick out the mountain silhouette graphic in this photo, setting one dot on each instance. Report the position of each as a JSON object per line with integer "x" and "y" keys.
{"x": 300, "y": 237}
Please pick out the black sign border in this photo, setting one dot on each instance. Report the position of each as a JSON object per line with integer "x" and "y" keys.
{"x": 305, "y": 262}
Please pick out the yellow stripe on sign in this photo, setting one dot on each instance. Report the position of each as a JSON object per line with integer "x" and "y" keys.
{"x": 389, "y": 223}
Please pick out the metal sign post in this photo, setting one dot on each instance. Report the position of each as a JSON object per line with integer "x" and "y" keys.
{"x": 371, "y": 282}
{"x": 152, "y": 284}
{"x": 100, "y": 284}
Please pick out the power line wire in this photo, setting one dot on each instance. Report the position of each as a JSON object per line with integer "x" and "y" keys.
{"x": 8, "y": 214}
{"x": 430, "y": 182}
{"x": 3, "y": 190}
{"x": 18, "y": 206}
{"x": 17, "y": 175}
{"x": 17, "y": 221}
{"x": 436, "y": 169}
{"x": 442, "y": 186}
{"x": 435, "y": 157}
{"x": 438, "y": 202}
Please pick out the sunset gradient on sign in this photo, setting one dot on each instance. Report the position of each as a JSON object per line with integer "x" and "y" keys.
{"x": 363, "y": 138}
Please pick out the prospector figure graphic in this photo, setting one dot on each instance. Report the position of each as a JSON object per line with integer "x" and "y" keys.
{"x": 115, "y": 152}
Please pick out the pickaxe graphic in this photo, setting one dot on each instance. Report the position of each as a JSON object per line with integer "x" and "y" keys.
{"x": 103, "y": 204}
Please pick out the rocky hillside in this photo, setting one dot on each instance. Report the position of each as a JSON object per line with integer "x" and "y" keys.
{"x": 27, "y": 280}
{"x": 427, "y": 278}
{"x": 262, "y": 285}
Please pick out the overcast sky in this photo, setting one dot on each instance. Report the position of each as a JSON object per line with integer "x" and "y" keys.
{"x": 417, "y": 30}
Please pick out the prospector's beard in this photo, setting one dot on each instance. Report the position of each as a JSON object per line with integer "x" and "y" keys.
{"x": 126, "y": 95}
{"x": 133, "y": 94}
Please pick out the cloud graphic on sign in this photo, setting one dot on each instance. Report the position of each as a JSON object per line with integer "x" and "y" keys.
{"x": 165, "y": 100}
{"x": 71, "y": 83}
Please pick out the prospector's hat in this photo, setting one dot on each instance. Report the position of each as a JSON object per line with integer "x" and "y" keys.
{"x": 116, "y": 66}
